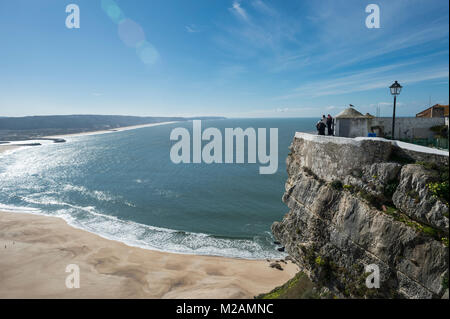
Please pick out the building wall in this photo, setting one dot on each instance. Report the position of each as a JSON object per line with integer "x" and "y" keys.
{"x": 351, "y": 127}
{"x": 434, "y": 111}
{"x": 405, "y": 127}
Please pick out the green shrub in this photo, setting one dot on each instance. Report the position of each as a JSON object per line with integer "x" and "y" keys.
{"x": 375, "y": 201}
{"x": 320, "y": 261}
{"x": 428, "y": 165}
{"x": 440, "y": 190}
{"x": 348, "y": 187}
{"x": 390, "y": 188}
{"x": 440, "y": 130}
{"x": 440, "y": 169}
{"x": 309, "y": 172}
{"x": 424, "y": 229}
{"x": 429, "y": 231}
{"x": 392, "y": 211}
{"x": 336, "y": 185}
{"x": 299, "y": 287}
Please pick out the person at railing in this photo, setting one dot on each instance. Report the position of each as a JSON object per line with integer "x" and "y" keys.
{"x": 330, "y": 125}
{"x": 320, "y": 126}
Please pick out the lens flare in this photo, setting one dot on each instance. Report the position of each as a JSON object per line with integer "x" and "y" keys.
{"x": 147, "y": 53}
{"x": 113, "y": 11}
{"x": 131, "y": 33}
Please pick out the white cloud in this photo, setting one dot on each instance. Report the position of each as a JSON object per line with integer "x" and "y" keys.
{"x": 369, "y": 79}
{"x": 239, "y": 11}
{"x": 264, "y": 8}
{"x": 191, "y": 28}
{"x": 276, "y": 40}
{"x": 265, "y": 32}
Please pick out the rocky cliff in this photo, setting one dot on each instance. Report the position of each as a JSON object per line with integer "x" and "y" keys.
{"x": 357, "y": 202}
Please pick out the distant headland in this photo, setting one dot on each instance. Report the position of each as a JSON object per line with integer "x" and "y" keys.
{"x": 33, "y": 127}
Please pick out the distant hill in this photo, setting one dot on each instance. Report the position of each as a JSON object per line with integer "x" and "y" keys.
{"x": 22, "y": 128}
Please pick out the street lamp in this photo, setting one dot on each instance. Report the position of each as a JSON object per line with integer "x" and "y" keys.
{"x": 395, "y": 90}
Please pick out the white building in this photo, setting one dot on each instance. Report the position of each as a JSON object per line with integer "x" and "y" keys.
{"x": 351, "y": 123}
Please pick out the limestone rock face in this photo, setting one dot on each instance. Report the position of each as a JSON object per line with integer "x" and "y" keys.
{"x": 413, "y": 197}
{"x": 339, "y": 193}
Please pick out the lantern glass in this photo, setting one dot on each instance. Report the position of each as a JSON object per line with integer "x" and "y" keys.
{"x": 395, "y": 88}
{"x": 392, "y": 90}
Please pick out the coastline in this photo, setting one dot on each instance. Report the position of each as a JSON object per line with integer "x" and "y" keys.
{"x": 118, "y": 129}
{"x": 5, "y": 148}
{"x": 35, "y": 251}
{"x": 12, "y": 146}
{"x": 33, "y": 244}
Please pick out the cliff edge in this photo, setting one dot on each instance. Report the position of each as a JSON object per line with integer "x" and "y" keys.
{"x": 357, "y": 202}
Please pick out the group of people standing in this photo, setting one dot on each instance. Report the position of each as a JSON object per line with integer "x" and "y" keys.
{"x": 325, "y": 123}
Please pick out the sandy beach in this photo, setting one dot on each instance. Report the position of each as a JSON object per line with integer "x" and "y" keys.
{"x": 5, "y": 148}
{"x": 35, "y": 250}
{"x": 10, "y": 147}
{"x": 118, "y": 129}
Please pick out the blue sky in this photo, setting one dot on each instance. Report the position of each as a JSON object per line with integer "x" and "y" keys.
{"x": 248, "y": 58}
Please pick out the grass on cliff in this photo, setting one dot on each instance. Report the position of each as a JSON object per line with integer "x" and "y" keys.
{"x": 299, "y": 287}
{"x": 420, "y": 227}
{"x": 380, "y": 203}
{"x": 439, "y": 188}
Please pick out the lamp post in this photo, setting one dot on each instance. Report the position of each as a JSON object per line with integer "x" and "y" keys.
{"x": 395, "y": 90}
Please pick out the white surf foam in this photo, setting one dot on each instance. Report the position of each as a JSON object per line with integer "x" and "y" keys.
{"x": 151, "y": 237}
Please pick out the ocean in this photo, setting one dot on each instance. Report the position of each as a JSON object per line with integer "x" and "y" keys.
{"x": 123, "y": 186}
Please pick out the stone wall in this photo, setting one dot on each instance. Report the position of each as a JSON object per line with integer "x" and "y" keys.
{"x": 356, "y": 202}
{"x": 405, "y": 127}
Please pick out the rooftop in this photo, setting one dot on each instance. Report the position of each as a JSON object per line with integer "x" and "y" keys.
{"x": 350, "y": 113}
{"x": 436, "y": 106}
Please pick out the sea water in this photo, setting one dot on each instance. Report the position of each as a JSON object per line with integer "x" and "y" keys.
{"x": 123, "y": 186}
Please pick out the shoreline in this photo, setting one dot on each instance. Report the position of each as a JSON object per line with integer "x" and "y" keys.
{"x": 6, "y": 148}
{"x": 11, "y": 146}
{"x": 37, "y": 212}
{"x": 33, "y": 244}
{"x": 114, "y": 130}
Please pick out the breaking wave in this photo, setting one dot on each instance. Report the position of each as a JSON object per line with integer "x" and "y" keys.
{"x": 150, "y": 237}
